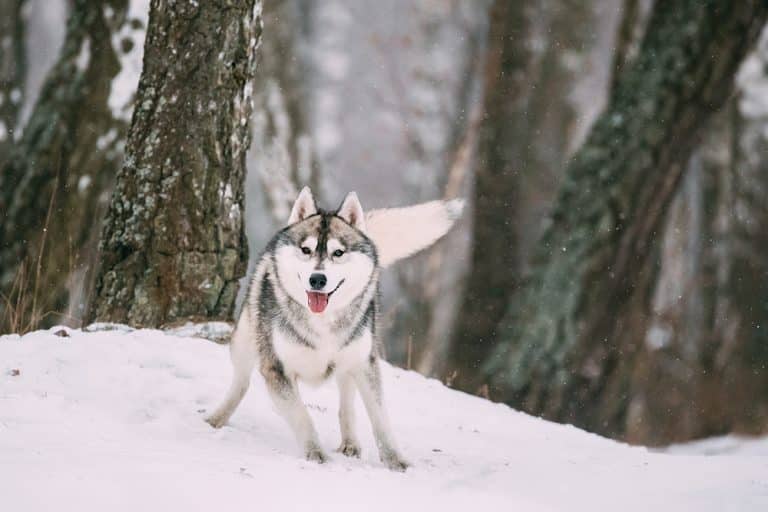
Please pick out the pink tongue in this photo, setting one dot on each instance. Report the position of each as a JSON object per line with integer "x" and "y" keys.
{"x": 317, "y": 301}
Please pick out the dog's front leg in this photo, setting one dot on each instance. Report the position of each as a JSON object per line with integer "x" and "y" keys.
{"x": 285, "y": 395}
{"x": 368, "y": 381}
{"x": 349, "y": 445}
{"x": 242, "y": 351}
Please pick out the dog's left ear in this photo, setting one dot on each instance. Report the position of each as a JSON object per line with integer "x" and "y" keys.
{"x": 352, "y": 211}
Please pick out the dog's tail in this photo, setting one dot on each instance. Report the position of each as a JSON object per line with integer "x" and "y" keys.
{"x": 401, "y": 232}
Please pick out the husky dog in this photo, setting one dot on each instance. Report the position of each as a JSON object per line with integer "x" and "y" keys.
{"x": 311, "y": 308}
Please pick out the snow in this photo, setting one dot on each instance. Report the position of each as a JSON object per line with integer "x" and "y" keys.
{"x": 112, "y": 420}
{"x": 751, "y": 80}
{"x": 45, "y": 25}
{"x": 106, "y": 139}
{"x": 124, "y": 85}
{"x": 657, "y": 337}
{"x": 730, "y": 444}
{"x": 83, "y": 183}
{"x": 84, "y": 56}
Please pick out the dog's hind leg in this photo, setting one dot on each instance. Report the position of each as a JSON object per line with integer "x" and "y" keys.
{"x": 349, "y": 445}
{"x": 243, "y": 353}
{"x": 368, "y": 381}
{"x": 285, "y": 394}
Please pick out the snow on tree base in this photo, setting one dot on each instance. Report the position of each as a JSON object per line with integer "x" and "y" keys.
{"x": 113, "y": 420}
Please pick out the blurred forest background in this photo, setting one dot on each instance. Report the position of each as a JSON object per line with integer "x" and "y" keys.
{"x": 611, "y": 270}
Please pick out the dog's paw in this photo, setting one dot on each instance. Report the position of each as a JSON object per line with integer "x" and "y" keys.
{"x": 315, "y": 454}
{"x": 394, "y": 462}
{"x": 216, "y": 421}
{"x": 349, "y": 448}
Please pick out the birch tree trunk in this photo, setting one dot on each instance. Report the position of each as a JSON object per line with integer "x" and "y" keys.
{"x": 283, "y": 149}
{"x": 12, "y": 70}
{"x": 561, "y": 338}
{"x": 55, "y": 184}
{"x": 173, "y": 246}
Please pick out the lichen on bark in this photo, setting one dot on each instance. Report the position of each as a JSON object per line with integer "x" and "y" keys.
{"x": 561, "y": 339}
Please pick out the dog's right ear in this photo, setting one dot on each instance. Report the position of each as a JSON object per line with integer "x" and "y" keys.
{"x": 303, "y": 207}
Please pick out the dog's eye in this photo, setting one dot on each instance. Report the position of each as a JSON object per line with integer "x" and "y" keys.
{"x": 306, "y": 250}
{"x": 338, "y": 253}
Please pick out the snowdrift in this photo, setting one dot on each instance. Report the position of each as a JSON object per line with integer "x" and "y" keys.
{"x": 112, "y": 420}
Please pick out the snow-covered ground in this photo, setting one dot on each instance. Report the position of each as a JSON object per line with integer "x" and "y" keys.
{"x": 112, "y": 420}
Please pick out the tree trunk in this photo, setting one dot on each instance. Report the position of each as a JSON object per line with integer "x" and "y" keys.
{"x": 284, "y": 152}
{"x": 702, "y": 370}
{"x": 524, "y": 136}
{"x": 54, "y": 186}
{"x": 506, "y": 62}
{"x": 424, "y": 321}
{"x": 173, "y": 245}
{"x": 434, "y": 109}
{"x": 738, "y": 357}
{"x": 634, "y": 18}
{"x": 561, "y": 338}
{"x": 12, "y": 70}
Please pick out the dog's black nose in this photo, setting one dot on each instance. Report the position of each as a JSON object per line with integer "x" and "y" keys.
{"x": 317, "y": 281}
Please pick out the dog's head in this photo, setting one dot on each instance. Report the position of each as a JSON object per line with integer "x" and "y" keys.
{"x": 324, "y": 259}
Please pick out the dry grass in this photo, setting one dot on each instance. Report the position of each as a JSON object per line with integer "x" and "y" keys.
{"x": 20, "y": 310}
{"x": 16, "y": 305}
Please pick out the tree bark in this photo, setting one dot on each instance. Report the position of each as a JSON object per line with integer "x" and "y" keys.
{"x": 561, "y": 340}
{"x": 634, "y": 18}
{"x": 506, "y": 62}
{"x": 523, "y": 144}
{"x": 738, "y": 357}
{"x": 173, "y": 246}
{"x": 54, "y": 185}
{"x": 12, "y": 70}
{"x": 674, "y": 328}
{"x": 702, "y": 367}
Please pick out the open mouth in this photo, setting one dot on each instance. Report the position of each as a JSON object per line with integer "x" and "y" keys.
{"x": 318, "y": 301}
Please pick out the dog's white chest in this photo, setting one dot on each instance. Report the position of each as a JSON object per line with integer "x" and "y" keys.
{"x": 327, "y": 355}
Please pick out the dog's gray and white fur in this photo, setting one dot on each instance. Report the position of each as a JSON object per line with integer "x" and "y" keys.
{"x": 311, "y": 313}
